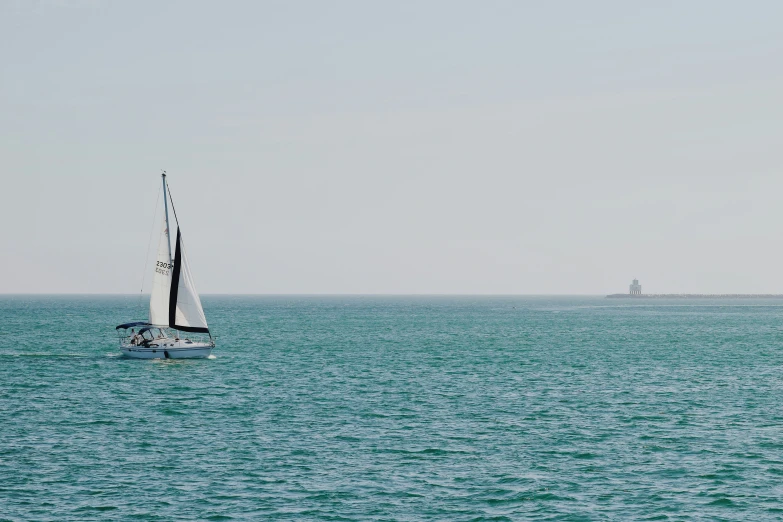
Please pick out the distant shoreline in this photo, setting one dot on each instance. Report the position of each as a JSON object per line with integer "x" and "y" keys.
{"x": 694, "y": 296}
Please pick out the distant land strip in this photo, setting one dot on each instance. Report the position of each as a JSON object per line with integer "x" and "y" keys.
{"x": 694, "y": 296}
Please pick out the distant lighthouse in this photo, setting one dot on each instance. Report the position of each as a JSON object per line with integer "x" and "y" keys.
{"x": 636, "y": 288}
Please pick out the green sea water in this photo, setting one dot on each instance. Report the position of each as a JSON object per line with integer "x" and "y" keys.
{"x": 397, "y": 408}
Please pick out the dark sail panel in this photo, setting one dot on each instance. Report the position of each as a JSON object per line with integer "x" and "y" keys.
{"x": 175, "y": 284}
{"x": 189, "y": 309}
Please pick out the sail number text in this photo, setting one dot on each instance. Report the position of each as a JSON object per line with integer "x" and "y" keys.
{"x": 163, "y": 268}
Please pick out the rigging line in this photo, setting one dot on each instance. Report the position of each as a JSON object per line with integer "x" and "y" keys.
{"x": 149, "y": 241}
{"x": 168, "y": 189}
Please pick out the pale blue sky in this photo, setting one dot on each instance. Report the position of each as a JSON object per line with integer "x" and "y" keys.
{"x": 394, "y": 147}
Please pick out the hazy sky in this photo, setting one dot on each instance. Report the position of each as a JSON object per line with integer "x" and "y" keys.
{"x": 394, "y": 147}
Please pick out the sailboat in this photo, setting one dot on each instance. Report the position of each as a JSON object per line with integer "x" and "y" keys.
{"x": 177, "y": 327}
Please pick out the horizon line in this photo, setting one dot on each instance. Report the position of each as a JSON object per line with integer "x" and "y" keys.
{"x": 380, "y": 294}
{"x": 312, "y": 294}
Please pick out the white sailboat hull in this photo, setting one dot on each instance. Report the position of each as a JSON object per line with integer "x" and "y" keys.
{"x": 177, "y": 350}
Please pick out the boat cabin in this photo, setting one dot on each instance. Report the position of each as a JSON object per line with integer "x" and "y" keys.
{"x": 152, "y": 333}
{"x": 146, "y": 334}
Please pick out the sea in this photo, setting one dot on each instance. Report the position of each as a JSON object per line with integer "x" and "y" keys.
{"x": 397, "y": 408}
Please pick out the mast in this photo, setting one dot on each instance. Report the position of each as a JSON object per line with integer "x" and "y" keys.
{"x": 166, "y": 207}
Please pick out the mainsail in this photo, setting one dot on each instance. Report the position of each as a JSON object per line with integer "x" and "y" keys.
{"x": 161, "y": 281}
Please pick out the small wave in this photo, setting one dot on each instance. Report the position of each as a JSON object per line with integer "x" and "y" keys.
{"x": 97, "y": 508}
{"x": 423, "y": 453}
{"x": 723, "y": 501}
